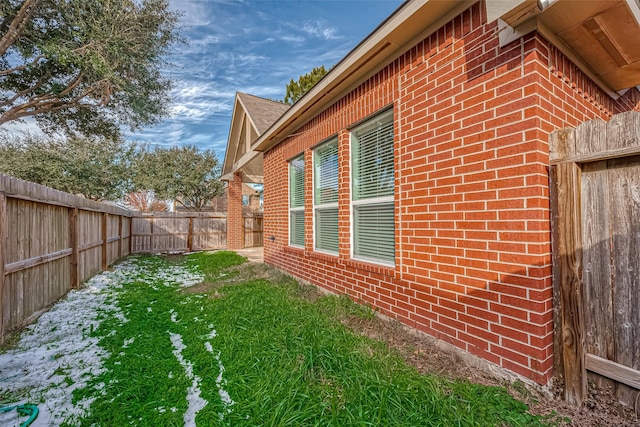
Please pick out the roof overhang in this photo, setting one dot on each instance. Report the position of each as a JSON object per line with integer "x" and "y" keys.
{"x": 249, "y": 165}
{"x": 601, "y": 37}
{"x": 409, "y": 24}
{"x": 414, "y": 20}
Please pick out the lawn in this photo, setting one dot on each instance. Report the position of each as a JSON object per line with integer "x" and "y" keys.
{"x": 207, "y": 340}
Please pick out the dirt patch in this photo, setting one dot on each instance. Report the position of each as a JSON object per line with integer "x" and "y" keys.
{"x": 254, "y": 271}
{"x": 200, "y": 288}
{"x": 600, "y": 409}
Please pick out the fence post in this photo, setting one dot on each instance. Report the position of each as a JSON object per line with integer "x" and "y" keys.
{"x": 190, "y": 236}
{"x": 120, "y": 236}
{"x": 73, "y": 242}
{"x": 152, "y": 240}
{"x": 570, "y": 274}
{"x": 105, "y": 238}
{"x": 3, "y": 251}
{"x": 130, "y": 235}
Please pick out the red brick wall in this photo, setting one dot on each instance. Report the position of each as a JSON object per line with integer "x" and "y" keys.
{"x": 235, "y": 219}
{"x": 473, "y": 252}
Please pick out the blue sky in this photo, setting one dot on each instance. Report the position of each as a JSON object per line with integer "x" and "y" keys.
{"x": 254, "y": 47}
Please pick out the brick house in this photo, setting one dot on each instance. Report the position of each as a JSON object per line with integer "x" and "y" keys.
{"x": 252, "y": 116}
{"x": 414, "y": 176}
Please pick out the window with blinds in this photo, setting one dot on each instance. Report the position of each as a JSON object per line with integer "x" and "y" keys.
{"x": 325, "y": 196}
{"x": 373, "y": 189}
{"x": 296, "y": 201}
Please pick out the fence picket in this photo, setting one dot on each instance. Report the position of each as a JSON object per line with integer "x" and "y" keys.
{"x": 596, "y": 177}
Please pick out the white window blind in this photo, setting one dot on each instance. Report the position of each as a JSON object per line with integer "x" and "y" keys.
{"x": 296, "y": 201}
{"x": 373, "y": 189}
{"x": 325, "y": 165}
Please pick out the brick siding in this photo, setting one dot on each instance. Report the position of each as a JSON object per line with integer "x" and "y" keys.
{"x": 235, "y": 218}
{"x": 473, "y": 251}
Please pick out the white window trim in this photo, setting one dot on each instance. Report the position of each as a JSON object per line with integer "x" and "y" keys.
{"x": 290, "y": 209}
{"x": 317, "y": 207}
{"x": 376, "y": 200}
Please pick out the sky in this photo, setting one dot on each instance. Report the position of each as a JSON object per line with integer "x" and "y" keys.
{"x": 255, "y": 47}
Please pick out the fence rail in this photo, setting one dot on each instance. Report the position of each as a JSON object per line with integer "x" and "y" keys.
{"x": 51, "y": 242}
{"x": 178, "y": 232}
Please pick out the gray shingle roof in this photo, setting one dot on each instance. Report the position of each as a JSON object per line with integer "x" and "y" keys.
{"x": 263, "y": 112}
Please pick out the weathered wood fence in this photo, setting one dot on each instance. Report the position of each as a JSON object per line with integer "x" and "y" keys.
{"x": 253, "y": 231}
{"x": 51, "y": 242}
{"x": 178, "y": 232}
{"x": 595, "y": 170}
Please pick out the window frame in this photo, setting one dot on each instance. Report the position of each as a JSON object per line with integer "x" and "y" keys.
{"x": 355, "y": 203}
{"x": 319, "y": 207}
{"x": 295, "y": 209}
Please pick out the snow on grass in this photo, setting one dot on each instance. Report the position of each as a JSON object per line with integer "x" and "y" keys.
{"x": 227, "y": 402}
{"x": 195, "y": 402}
{"x": 63, "y": 352}
{"x": 57, "y": 355}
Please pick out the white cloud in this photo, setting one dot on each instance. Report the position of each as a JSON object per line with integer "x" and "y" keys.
{"x": 291, "y": 38}
{"x": 194, "y": 13}
{"x": 27, "y": 125}
{"x": 321, "y": 31}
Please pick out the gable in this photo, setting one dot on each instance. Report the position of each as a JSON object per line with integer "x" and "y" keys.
{"x": 252, "y": 115}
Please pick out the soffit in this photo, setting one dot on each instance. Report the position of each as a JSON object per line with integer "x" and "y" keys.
{"x": 603, "y": 36}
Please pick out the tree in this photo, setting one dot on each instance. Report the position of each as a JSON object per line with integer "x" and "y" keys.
{"x": 85, "y": 66}
{"x": 295, "y": 89}
{"x": 144, "y": 201}
{"x": 184, "y": 174}
{"x": 97, "y": 168}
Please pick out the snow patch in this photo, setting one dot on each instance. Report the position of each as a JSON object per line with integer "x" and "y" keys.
{"x": 194, "y": 402}
{"x": 56, "y": 355}
{"x": 224, "y": 395}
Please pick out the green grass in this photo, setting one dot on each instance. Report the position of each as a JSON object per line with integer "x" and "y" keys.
{"x": 288, "y": 360}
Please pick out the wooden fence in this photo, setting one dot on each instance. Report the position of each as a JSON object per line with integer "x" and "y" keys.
{"x": 178, "y": 232}
{"x": 253, "y": 231}
{"x": 50, "y": 242}
{"x": 596, "y": 200}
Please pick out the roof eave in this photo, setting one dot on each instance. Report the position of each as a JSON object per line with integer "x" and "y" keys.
{"x": 409, "y": 24}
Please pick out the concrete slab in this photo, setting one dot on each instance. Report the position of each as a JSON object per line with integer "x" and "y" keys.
{"x": 253, "y": 254}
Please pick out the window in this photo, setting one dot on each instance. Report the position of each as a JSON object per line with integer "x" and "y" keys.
{"x": 245, "y": 199}
{"x": 373, "y": 189}
{"x": 296, "y": 201}
{"x": 325, "y": 196}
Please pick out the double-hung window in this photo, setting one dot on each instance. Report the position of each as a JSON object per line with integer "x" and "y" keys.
{"x": 296, "y": 201}
{"x": 325, "y": 196}
{"x": 373, "y": 189}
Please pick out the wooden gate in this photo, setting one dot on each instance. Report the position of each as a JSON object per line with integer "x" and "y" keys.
{"x": 253, "y": 231}
{"x": 596, "y": 200}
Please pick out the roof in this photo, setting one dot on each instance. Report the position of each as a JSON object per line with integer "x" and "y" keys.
{"x": 416, "y": 19}
{"x": 262, "y": 112}
{"x": 251, "y": 117}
